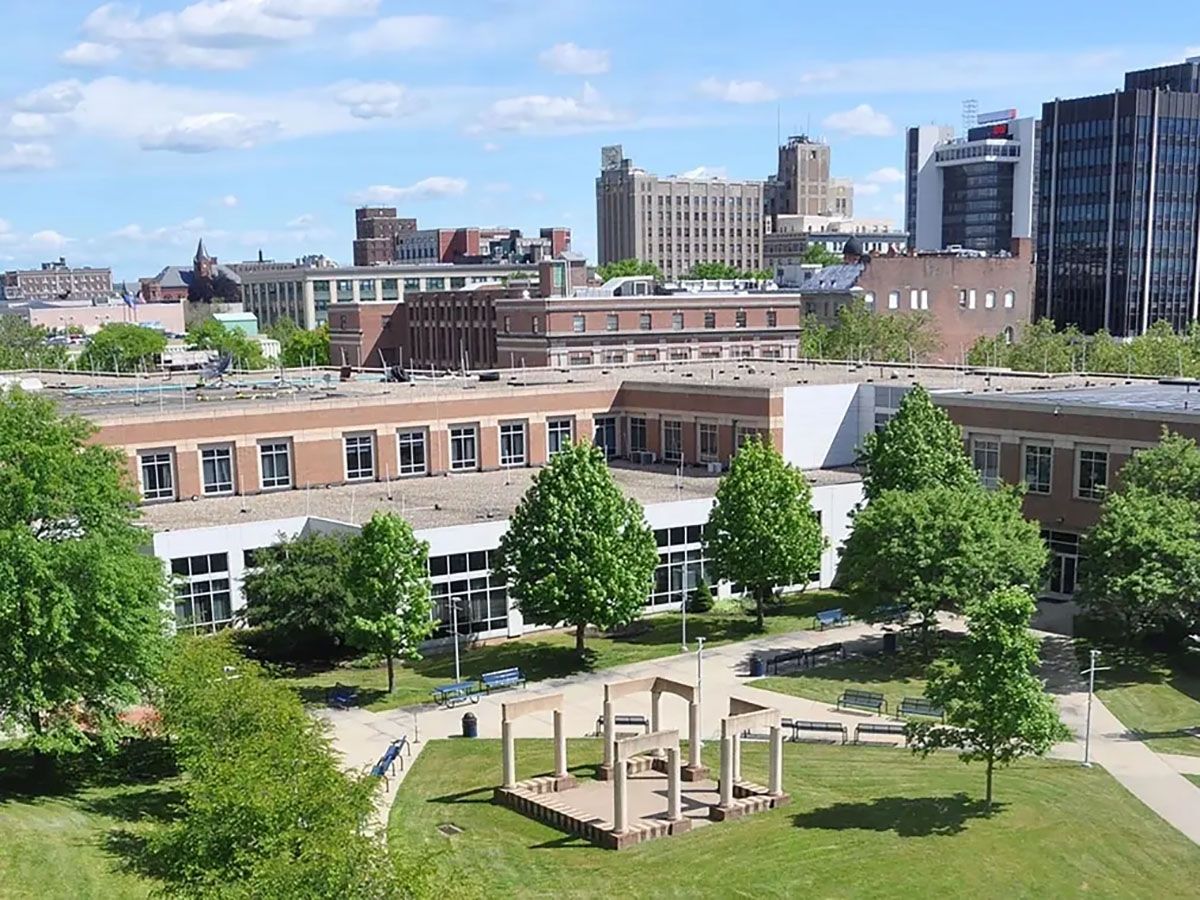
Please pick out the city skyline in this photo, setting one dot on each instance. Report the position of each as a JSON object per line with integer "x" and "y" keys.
{"x": 126, "y": 133}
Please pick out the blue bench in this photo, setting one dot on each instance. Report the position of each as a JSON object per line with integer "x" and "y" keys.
{"x": 452, "y": 694}
{"x": 500, "y": 679}
{"x": 387, "y": 762}
{"x": 341, "y": 696}
{"x": 827, "y": 617}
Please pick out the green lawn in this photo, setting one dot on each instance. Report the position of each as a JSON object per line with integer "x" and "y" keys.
{"x": 1194, "y": 779}
{"x": 66, "y": 834}
{"x": 863, "y": 822}
{"x": 553, "y": 655}
{"x": 895, "y": 676}
{"x": 1156, "y": 696}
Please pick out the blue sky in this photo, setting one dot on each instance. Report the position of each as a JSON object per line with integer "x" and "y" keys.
{"x": 129, "y": 130}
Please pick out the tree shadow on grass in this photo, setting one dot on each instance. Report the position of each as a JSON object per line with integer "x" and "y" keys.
{"x": 321, "y": 695}
{"x": 906, "y": 816}
{"x": 157, "y": 804}
{"x": 25, "y": 778}
{"x": 536, "y": 660}
{"x": 475, "y": 795}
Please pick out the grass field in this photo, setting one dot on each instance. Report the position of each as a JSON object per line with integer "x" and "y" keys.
{"x": 1156, "y": 696}
{"x": 553, "y": 655}
{"x": 863, "y": 822}
{"x": 1194, "y": 779}
{"x": 61, "y": 834}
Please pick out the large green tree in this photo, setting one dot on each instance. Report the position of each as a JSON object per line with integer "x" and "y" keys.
{"x": 305, "y": 348}
{"x": 123, "y": 347}
{"x": 391, "y": 610}
{"x": 624, "y": 268}
{"x": 212, "y": 334}
{"x": 297, "y": 596}
{"x": 939, "y": 548}
{"x": 25, "y": 346}
{"x": 577, "y": 551}
{"x": 997, "y": 709}
{"x": 920, "y": 447}
{"x": 82, "y": 601}
{"x": 820, "y": 255}
{"x": 762, "y": 531}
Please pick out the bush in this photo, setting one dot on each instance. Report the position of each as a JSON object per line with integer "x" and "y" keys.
{"x": 702, "y": 600}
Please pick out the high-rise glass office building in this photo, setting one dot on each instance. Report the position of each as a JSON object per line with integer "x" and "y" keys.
{"x": 1118, "y": 237}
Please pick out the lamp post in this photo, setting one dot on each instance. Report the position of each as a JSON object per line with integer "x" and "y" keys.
{"x": 1090, "y": 672}
{"x": 699, "y": 688}
{"x": 454, "y": 601}
{"x": 683, "y": 620}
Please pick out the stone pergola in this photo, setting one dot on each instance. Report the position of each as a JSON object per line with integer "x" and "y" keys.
{"x": 738, "y": 797}
{"x": 510, "y": 712}
{"x": 624, "y": 750}
{"x": 656, "y": 686}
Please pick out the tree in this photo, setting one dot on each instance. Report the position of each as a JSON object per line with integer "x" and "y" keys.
{"x": 762, "y": 531}
{"x": 122, "y": 347}
{"x": 212, "y": 334}
{"x": 306, "y": 348}
{"x": 82, "y": 602}
{"x": 391, "y": 611}
{"x": 625, "y": 268}
{"x": 716, "y": 271}
{"x": 997, "y": 709}
{"x": 940, "y": 547}
{"x": 576, "y": 550}
{"x": 24, "y": 346}
{"x": 1171, "y": 467}
{"x": 920, "y": 447}
{"x": 219, "y": 289}
{"x": 297, "y": 596}
{"x": 820, "y": 255}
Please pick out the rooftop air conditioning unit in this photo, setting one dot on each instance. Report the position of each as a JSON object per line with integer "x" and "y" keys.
{"x": 644, "y": 457}
{"x": 714, "y": 468}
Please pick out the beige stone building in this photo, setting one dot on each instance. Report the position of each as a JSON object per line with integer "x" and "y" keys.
{"x": 676, "y": 222}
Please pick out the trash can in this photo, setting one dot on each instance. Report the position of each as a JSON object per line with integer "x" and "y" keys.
{"x": 470, "y": 725}
{"x": 758, "y": 667}
{"x": 890, "y": 642}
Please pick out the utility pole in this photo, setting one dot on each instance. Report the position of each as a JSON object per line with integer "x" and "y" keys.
{"x": 454, "y": 620}
{"x": 1090, "y": 672}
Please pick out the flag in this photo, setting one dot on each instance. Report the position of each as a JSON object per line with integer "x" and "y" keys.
{"x": 126, "y": 296}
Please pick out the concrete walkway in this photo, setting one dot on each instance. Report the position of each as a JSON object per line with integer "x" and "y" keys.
{"x": 1184, "y": 765}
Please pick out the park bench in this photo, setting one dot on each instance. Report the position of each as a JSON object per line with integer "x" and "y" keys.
{"x": 387, "y": 762}
{"x": 626, "y": 721}
{"x": 919, "y": 706}
{"x": 342, "y": 696}
{"x": 828, "y": 617}
{"x": 895, "y": 612}
{"x": 501, "y": 679}
{"x": 449, "y": 695}
{"x": 878, "y": 728}
{"x": 825, "y": 652}
{"x": 799, "y": 725}
{"x": 872, "y": 700}
{"x": 787, "y": 656}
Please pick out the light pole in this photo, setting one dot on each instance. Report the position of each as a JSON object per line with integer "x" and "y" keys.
{"x": 454, "y": 601}
{"x": 699, "y": 690}
{"x": 683, "y": 619}
{"x": 1090, "y": 672}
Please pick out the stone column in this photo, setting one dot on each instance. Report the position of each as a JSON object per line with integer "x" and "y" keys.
{"x": 656, "y": 716}
{"x": 726, "y": 771}
{"x": 736, "y": 757}
{"x": 510, "y": 754}
{"x": 694, "y": 734}
{"x": 775, "y": 785}
{"x": 673, "y": 806}
{"x": 308, "y": 317}
{"x": 560, "y": 745}
{"x": 608, "y": 733}
{"x": 620, "y": 813}
{"x": 355, "y": 290}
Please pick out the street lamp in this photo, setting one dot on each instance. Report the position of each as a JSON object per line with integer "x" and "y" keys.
{"x": 699, "y": 690}
{"x": 1090, "y": 672}
{"x": 683, "y": 620}
{"x": 454, "y": 601}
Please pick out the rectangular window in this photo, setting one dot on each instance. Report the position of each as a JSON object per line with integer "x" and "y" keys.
{"x": 677, "y": 321}
{"x": 158, "y": 475}
{"x": 644, "y": 321}
{"x": 216, "y": 470}
{"x": 275, "y": 460}
{"x": 537, "y": 324}
{"x": 463, "y": 443}
{"x": 410, "y": 453}
{"x": 739, "y": 319}
{"x": 202, "y": 596}
{"x": 605, "y": 435}
{"x": 559, "y": 434}
{"x": 508, "y": 324}
{"x": 360, "y": 456}
{"x": 611, "y": 322}
{"x": 710, "y": 319}
{"x": 985, "y": 453}
{"x": 579, "y": 359}
{"x": 914, "y": 299}
{"x": 893, "y": 299}
{"x": 772, "y": 318}
{"x": 672, "y": 440}
{"x": 1037, "y": 466}
{"x": 512, "y": 443}
{"x": 1092, "y": 477}
{"x": 578, "y": 324}
{"x": 708, "y": 442}
{"x": 637, "y": 434}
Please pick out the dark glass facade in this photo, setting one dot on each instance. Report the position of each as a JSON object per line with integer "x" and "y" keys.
{"x": 1119, "y": 205}
{"x": 977, "y": 206}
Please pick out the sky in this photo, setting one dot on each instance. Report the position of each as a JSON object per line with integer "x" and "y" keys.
{"x": 128, "y": 131}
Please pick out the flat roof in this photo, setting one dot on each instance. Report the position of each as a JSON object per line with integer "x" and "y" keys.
{"x": 1124, "y": 397}
{"x": 437, "y": 501}
{"x": 115, "y": 399}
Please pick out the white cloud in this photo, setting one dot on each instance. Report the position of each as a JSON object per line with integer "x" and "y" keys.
{"x": 178, "y": 235}
{"x": 737, "y": 91}
{"x": 706, "y": 172}
{"x": 59, "y": 97}
{"x": 375, "y": 99}
{"x": 886, "y": 175}
{"x": 538, "y": 197}
{"x": 571, "y": 59}
{"x": 30, "y": 125}
{"x": 229, "y": 201}
{"x": 865, "y": 188}
{"x": 48, "y": 240}
{"x": 89, "y": 53}
{"x": 210, "y": 131}
{"x": 862, "y": 121}
{"x": 425, "y": 189}
{"x": 396, "y": 33}
{"x": 541, "y": 114}
{"x": 490, "y": 147}
{"x": 26, "y": 157}
{"x": 306, "y": 220}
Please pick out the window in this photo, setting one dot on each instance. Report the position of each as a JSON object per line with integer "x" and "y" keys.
{"x": 410, "y": 453}
{"x": 605, "y": 435}
{"x": 275, "y": 460}
{"x": 924, "y": 298}
{"x": 512, "y": 443}
{"x": 672, "y": 440}
{"x": 1064, "y": 562}
{"x": 611, "y": 322}
{"x": 1010, "y": 299}
{"x": 985, "y": 453}
{"x": 216, "y": 470}
{"x": 989, "y": 300}
{"x": 637, "y": 434}
{"x": 739, "y": 319}
{"x": 508, "y": 324}
{"x": 579, "y": 359}
{"x": 914, "y": 299}
{"x": 1036, "y": 467}
{"x": 962, "y": 299}
{"x": 677, "y": 321}
{"x": 772, "y": 318}
{"x": 708, "y": 442}
{"x": 710, "y": 319}
{"x": 578, "y": 324}
{"x": 1092, "y": 473}
{"x": 893, "y": 299}
{"x": 869, "y": 298}
{"x": 537, "y": 325}
{"x": 202, "y": 600}
{"x": 559, "y": 433}
{"x": 360, "y": 456}
{"x": 463, "y": 442}
{"x": 158, "y": 475}
{"x": 481, "y": 595}
{"x": 644, "y": 321}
